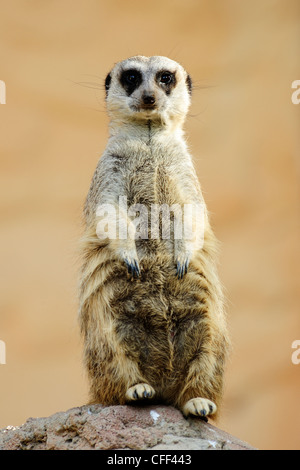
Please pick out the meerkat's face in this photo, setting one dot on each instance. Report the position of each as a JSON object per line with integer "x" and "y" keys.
{"x": 143, "y": 88}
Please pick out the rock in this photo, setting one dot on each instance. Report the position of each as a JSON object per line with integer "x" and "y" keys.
{"x": 118, "y": 427}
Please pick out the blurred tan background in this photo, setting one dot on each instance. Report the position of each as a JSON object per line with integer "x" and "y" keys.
{"x": 243, "y": 131}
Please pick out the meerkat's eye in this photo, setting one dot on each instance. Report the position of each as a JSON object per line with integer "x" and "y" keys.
{"x": 131, "y": 80}
{"x": 166, "y": 77}
{"x": 132, "y": 77}
{"x": 167, "y": 80}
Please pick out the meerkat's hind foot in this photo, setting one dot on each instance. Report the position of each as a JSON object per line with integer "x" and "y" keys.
{"x": 201, "y": 407}
{"x": 141, "y": 391}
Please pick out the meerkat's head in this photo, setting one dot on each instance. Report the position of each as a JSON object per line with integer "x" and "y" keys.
{"x": 148, "y": 88}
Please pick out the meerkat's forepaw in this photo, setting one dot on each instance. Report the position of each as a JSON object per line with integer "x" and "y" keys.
{"x": 140, "y": 392}
{"x": 182, "y": 262}
{"x": 133, "y": 267}
{"x": 181, "y": 268}
{"x": 131, "y": 261}
{"x": 183, "y": 255}
{"x": 201, "y": 407}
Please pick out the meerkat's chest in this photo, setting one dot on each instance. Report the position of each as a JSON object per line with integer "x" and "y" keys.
{"x": 148, "y": 173}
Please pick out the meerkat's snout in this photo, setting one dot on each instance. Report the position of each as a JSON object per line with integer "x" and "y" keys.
{"x": 148, "y": 100}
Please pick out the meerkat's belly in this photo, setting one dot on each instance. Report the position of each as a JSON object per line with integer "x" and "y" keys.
{"x": 153, "y": 321}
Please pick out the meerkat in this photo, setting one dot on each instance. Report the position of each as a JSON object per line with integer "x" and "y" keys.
{"x": 151, "y": 308}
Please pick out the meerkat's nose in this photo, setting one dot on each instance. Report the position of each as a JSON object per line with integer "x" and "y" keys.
{"x": 149, "y": 100}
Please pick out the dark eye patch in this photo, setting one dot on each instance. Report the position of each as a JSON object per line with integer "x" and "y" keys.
{"x": 189, "y": 84}
{"x": 167, "y": 80}
{"x": 130, "y": 80}
{"x": 107, "y": 83}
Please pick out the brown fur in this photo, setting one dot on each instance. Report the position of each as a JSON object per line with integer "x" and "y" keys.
{"x": 157, "y": 329}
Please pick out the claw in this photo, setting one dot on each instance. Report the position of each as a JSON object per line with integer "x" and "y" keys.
{"x": 137, "y": 268}
{"x": 186, "y": 266}
{"x": 133, "y": 268}
{"x": 181, "y": 269}
{"x": 139, "y": 392}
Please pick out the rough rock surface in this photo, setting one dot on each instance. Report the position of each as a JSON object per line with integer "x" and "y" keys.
{"x": 118, "y": 427}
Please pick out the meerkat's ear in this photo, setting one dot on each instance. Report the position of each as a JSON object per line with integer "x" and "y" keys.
{"x": 107, "y": 83}
{"x": 189, "y": 83}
